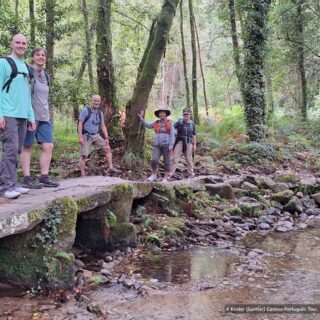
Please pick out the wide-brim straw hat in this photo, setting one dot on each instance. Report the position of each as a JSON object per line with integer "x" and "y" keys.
{"x": 156, "y": 113}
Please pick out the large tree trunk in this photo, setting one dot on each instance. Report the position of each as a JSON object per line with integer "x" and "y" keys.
{"x": 105, "y": 68}
{"x": 255, "y": 35}
{"x": 75, "y": 102}
{"x": 194, "y": 65}
{"x": 50, "y": 31}
{"x": 32, "y": 41}
{"x": 300, "y": 48}
{"x": 88, "y": 34}
{"x": 235, "y": 44}
{"x": 134, "y": 131}
{"x": 184, "y": 57}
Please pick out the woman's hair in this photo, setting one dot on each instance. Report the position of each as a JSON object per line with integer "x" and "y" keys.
{"x": 36, "y": 50}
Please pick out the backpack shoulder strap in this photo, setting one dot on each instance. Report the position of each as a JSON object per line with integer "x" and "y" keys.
{"x": 88, "y": 115}
{"x": 101, "y": 116}
{"x": 30, "y": 71}
{"x": 47, "y": 77}
{"x": 14, "y": 73}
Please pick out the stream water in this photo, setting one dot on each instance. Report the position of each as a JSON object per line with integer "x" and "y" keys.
{"x": 198, "y": 283}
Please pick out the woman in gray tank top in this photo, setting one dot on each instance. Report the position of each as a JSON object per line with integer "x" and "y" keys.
{"x": 43, "y": 133}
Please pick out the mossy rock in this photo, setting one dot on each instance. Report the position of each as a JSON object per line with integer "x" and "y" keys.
{"x": 60, "y": 271}
{"x": 233, "y": 210}
{"x": 282, "y": 197}
{"x": 99, "y": 198}
{"x": 173, "y": 231}
{"x": 26, "y": 263}
{"x": 289, "y": 177}
{"x": 251, "y": 209}
{"x": 141, "y": 190}
{"x": 121, "y": 203}
{"x": 164, "y": 197}
{"x": 122, "y": 236}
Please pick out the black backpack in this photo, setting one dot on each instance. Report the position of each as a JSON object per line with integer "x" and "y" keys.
{"x": 88, "y": 117}
{"x": 14, "y": 73}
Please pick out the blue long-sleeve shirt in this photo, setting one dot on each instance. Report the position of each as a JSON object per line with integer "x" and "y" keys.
{"x": 162, "y": 137}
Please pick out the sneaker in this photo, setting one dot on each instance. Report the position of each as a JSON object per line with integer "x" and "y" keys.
{"x": 20, "y": 189}
{"x": 11, "y": 193}
{"x": 165, "y": 180}
{"x": 31, "y": 184}
{"x": 153, "y": 177}
{"x": 47, "y": 182}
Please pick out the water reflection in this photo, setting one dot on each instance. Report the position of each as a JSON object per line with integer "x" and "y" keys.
{"x": 186, "y": 266}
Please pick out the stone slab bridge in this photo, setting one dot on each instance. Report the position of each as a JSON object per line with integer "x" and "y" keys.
{"x": 38, "y": 229}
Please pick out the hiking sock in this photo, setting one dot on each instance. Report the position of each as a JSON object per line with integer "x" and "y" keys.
{"x": 43, "y": 177}
{"x": 27, "y": 179}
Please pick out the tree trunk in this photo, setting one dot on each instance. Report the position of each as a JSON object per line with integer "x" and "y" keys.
{"x": 88, "y": 34}
{"x": 105, "y": 68}
{"x": 301, "y": 67}
{"x": 235, "y": 44}
{"x": 134, "y": 131}
{"x": 194, "y": 65}
{"x": 202, "y": 71}
{"x": 269, "y": 91}
{"x": 50, "y": 31}
{"x": 146, "y": 51}
{"x": 15, "y": 28}
{"x": 75, "y": 107}
{"x": 184, "y": 57}
{"x": 16, "y": 9}
{"x": 32, "y": 41}
{"x": 255, "y": 35}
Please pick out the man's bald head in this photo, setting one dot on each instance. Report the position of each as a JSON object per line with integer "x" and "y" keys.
{"x": 19, "y": 45}
{"x": 95, "y": 101}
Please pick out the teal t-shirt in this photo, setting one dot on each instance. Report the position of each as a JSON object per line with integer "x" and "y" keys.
{"x": 17, "y": 102}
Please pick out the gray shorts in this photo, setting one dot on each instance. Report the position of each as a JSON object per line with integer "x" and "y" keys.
{"x": 88, "y": 140}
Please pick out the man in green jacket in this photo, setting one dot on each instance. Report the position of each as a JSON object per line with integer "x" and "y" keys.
{"x": 15, "y": 112}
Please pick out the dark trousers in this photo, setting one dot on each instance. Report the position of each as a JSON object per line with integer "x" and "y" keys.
{"x": 159, "y": 151}
{"x": 12, "y": 137}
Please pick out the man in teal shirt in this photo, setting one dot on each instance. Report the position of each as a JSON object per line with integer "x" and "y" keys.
{"x": 15, "y": 111}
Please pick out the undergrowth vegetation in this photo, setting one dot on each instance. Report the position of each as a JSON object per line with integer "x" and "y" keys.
{"x": 222, "y": 137}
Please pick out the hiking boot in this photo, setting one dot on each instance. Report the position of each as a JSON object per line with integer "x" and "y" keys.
{"x": 153, "y": 177}
{"x": 20, "y": 189}
{"x": 31, "y": 184}
{"x": 114, "y": 170}
{"x": 11, "y": 193}
{"x": 47, "y": 182}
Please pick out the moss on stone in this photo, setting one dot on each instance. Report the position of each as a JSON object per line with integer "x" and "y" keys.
{"x": 84, "y": 204}
{"x": 123, "y": 235}
{"x": 36, "y": 215}
{"x": 290, "y": 177}
{"x": 63, "y": 255}
{"x": 60, "y": 272}
{"x": 121, "y": 191}
{"x": 111, "y": 219}
{"x": 69, "y": 212}
{"x": 233, "y": 210}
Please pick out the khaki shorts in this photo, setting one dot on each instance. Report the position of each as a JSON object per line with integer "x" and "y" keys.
{"x": 95, "y": 140}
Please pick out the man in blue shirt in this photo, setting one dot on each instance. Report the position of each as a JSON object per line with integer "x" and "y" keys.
{"x": 91, "y": 120}
{"x": 15, "y": 111}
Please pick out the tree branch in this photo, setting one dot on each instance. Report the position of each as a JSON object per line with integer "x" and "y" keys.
{"x": 304, "y": 45}
{"x": 132, "y": 19}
